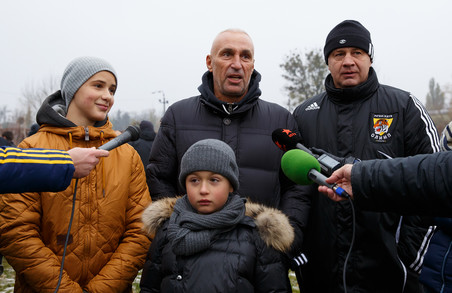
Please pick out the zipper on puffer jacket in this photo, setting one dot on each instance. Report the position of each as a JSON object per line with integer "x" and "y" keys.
{"x": 231, "y": 107}
{"x": 86, "y": 248}
{"x": 70, "y": 147}
{"x": 103, "y": 165}
{"x": 101, "y": 159}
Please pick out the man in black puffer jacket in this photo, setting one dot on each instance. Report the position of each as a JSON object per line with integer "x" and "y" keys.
{"x": 229, "y": 109}
{"x": 359, "y": 117}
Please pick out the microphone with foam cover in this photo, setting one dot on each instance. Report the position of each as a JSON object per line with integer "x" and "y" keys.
{"x": 130, "y": 134}
{"x": 286, "y": 140}
{"x": 303, "y": 169}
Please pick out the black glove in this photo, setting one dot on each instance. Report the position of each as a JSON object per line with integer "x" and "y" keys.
{"x": 331, "y": 163}
{"x": 295, "y": 266}
{"x": 298, "y": 261}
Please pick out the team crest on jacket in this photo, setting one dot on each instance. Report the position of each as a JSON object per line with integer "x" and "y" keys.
{"x": 381, "y": 127}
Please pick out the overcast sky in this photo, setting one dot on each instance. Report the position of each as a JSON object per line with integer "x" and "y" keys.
{"x": 162, "y": 45}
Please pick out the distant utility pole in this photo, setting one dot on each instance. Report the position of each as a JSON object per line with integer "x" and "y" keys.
{"x": 164, "y": 101}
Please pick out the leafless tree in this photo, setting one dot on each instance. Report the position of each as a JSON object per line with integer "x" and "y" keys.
{"x": 33, "y": 94}
{"x": 437, "y": 105}
{"x": 305, "y": 74}
{"x": 4, "y": 114}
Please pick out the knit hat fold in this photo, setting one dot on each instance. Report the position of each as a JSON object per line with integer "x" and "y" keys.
{"x": 349, "y": 33}
{"x": 210, "y": 155}
{"x": 78, "y": 72}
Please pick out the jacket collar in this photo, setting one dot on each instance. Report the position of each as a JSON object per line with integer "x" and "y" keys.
{"x": 273, "y": 226}
{"x": 53, "y": 112}
{"x": 349, "y": 95}
{"x": 209, "y": 99}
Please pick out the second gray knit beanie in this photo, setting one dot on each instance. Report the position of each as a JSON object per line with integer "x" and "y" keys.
{"x": 210, "y": 155}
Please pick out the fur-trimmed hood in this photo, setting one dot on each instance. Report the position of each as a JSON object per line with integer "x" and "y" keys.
{"x": 273, "y": 226}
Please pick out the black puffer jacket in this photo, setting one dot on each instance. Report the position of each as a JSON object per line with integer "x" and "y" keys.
{"x": 362, "y": 122}
{"x": 418, "y": 185}
{"x": 245, "y": 259}
{"x": 247, "y": 127}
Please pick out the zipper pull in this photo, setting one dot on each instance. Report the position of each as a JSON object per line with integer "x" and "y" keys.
{"x": 230, "y": 107}
{"x": 86, "y": 133}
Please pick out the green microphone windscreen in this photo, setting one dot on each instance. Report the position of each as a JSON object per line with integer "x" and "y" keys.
{"x": 296, "y": 165}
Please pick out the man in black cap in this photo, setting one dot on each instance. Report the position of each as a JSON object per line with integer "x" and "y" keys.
{"x": 359, "y": 117}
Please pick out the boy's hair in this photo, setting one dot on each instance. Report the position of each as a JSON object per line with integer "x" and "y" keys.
{"x": 78, "y": 72}
{"x": 210, "y": 155}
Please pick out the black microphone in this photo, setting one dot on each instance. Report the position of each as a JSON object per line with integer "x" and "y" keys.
{"x": 130, "y": 134}
{"x": 286, "y": 140}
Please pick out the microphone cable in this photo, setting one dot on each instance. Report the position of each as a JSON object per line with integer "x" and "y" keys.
{"x": 344, "y": 270}
{"x": 67, "y": 237}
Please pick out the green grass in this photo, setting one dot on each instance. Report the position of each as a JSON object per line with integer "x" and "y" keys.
{"x": 7, "y": 278}
{"x": 293, "y": 282}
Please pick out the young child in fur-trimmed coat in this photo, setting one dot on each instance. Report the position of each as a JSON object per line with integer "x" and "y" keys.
{"x": 210, "y": 240}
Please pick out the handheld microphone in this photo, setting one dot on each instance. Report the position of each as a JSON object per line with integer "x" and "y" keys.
{"x": 303, "y": 169}
{"x": 130, "y": 134}
{"x": 287, "y": 140}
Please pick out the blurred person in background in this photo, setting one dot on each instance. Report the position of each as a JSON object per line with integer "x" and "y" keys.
{"x": 143, "y": 145}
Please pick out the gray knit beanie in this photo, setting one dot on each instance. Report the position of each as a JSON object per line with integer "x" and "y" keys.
{"x": 78, "y": 72}
{"x": 210, "y": 155}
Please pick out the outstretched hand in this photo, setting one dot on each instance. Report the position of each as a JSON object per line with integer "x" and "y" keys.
{"x": 341, "y": 177}
{"x": 85, "y": 159}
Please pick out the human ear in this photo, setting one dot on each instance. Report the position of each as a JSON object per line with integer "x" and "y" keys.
{"x": 209, "y": 63}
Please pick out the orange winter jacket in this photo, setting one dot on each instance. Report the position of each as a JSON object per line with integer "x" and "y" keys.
{"x": 106, "y": 246}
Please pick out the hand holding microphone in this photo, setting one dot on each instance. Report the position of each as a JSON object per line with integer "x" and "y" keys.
{"x": 302, "y": 168}
{"x": 341, "y": 176}
{"x": 85, "y": 159}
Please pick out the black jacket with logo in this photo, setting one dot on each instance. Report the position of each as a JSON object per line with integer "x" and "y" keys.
{"x": 362, "y": 122}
